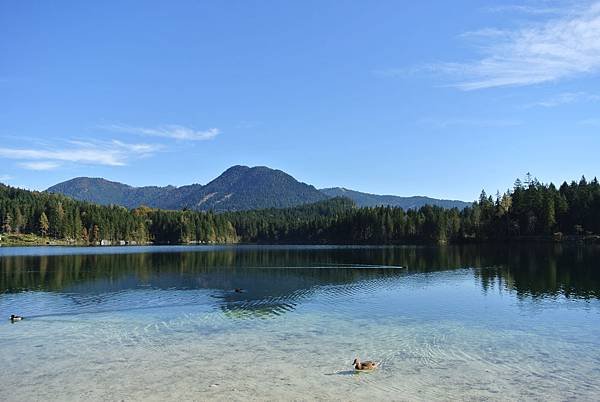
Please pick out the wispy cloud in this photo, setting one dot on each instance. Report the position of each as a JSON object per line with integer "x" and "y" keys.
{"x": 485, "y": 33}
{"x": 563, "y": 47}
{"x": 5, "y": 178}
{"x": 169, "y": 131}
{"x": 108, "y": 153}
{"x": 525, "y": 9}
{"x": 565, "y": 98}
{"x": 44, "y": 165}
{"x": 468, "y": 122}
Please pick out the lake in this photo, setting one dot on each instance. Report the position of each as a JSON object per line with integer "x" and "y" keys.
{"x": 156, "y": 323}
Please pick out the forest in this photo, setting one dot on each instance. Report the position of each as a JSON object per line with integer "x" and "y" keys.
{"x": 529, "y": 211}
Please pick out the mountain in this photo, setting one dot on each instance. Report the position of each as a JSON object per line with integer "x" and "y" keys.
{"x": 372, "y": 200}
{"x": 101, "y": 191}
{"x": 242, "y": 187}
{"x": 238, "y": 188}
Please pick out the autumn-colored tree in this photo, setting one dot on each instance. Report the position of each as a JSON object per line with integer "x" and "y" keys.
{"x": 44, "y": 225}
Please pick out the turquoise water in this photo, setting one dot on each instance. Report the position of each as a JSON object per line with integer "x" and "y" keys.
{"x": 164, "y": 323}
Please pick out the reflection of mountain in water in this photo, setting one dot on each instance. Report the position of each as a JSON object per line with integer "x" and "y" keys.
{"x": 275, "y": 280}
{"x": 278, "y": 290}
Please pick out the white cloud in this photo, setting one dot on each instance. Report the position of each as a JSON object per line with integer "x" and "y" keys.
{"x": 169, "y": 131}
{"x": 566, "y": 98}
{"x": 561, "y": 48}
{"x": 5, "y": 178}
{"x": 83, "y": 155}
{"x": 108, "y": 153}
{"x": 44, "y": 165}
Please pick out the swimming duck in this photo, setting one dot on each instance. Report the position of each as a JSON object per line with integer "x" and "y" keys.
{"x": 238, "y": 290}
{"x": 15, "y": 317}
{"x": 364, "y": 366}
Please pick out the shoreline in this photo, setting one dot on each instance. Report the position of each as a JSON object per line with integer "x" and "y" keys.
{"x": 29, "y": 240}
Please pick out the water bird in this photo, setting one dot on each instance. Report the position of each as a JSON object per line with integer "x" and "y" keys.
{"x": 238, "y": 290}
{"x": 14, "y": 318}
{"x": 364, "y": 366}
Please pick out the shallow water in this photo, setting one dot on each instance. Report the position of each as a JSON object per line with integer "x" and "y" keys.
{"x": 156, "y": 323}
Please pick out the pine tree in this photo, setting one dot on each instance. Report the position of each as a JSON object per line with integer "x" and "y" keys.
{"x": 518, "y": 185}
{"x": 550, "y": 218}
{"x": 141, "y": 233}
{"x": 95, "y": 234}
{"x": 6, "y": 226}
{"x": 528, "y": 180}
{"x": 77, "y": 225}
{"x": 44, "y": 225}
{"x": 19, "y": 220}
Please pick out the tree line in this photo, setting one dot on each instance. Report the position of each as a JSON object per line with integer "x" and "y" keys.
{"x": 530, "y": 210}
{"x": 59, "y": 217}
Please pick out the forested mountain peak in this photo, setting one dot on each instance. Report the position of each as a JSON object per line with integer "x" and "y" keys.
{"x": 95, "y": 189}
{"x": 237, "y": 188}
{"x": 86, "y": 182}
{"x": 243, "y": 187}
{"x": 246, "y": 175}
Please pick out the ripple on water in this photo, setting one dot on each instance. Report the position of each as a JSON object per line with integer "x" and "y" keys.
{"x": 160, "y": 339}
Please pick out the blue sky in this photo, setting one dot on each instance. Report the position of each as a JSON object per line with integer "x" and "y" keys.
{"x": 409, "y": 98}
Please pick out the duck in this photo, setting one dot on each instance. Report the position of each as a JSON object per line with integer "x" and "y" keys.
{"x": 364, "y": 366}
{"x": 238, "y": 290}
{"x": 14, "y": 318}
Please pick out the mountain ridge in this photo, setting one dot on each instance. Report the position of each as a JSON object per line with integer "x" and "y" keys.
{"x": 372, "y": 200}
{"x": 237, "y": 188}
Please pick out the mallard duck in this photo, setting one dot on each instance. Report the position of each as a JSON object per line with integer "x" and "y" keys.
{"x": 15, "y": 317}
{"x": 364, "y": 366}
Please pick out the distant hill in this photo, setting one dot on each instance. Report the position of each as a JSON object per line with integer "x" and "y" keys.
{"x": 372, "y": 200}
{"x": 238, "y": 188}
{"x": 107, "y": 192}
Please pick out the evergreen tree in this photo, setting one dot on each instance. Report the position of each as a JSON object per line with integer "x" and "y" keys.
{"x": 19, "y": 220}
{"x": 6, "y": 225}
{"x": 44, "y": 224}
{"x": 95, "y": 235}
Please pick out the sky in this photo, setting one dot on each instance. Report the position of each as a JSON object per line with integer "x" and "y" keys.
{"x": 436, "y": 98}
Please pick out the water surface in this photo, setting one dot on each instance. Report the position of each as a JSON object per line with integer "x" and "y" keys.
{"x": 156, "y": 323}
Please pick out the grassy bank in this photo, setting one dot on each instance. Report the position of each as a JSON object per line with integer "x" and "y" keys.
{"x": 14, "y": 239}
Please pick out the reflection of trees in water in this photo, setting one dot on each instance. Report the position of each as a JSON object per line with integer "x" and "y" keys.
{"x": 271, "y": 272}
{"x": 223, "y": 269}
{"x": 550, "y": 271}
